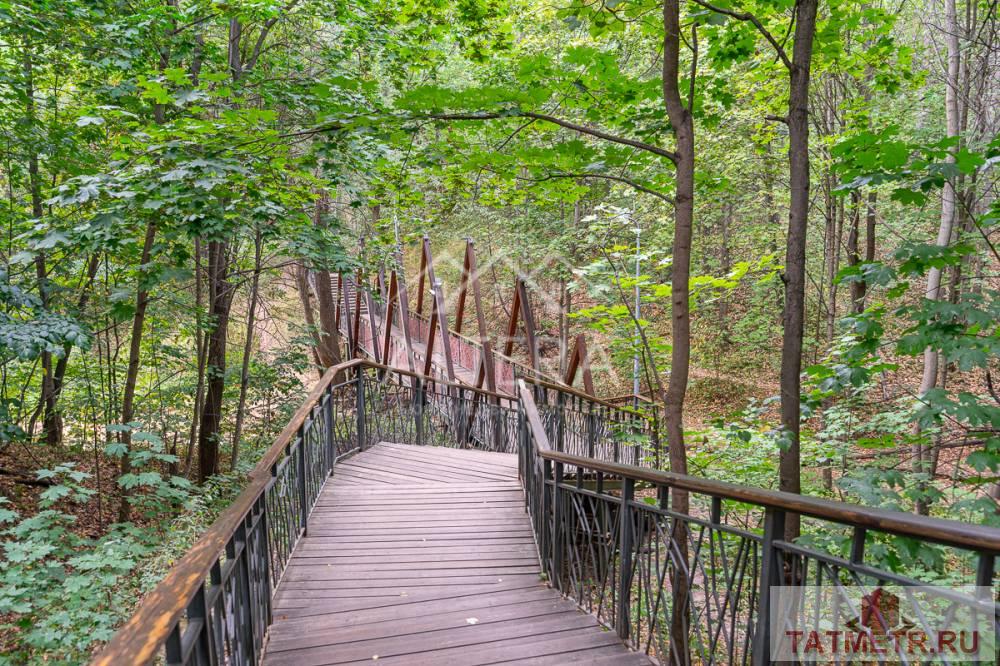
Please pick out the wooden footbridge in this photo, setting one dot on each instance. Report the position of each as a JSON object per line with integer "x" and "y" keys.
{"x": 417, "y": 515}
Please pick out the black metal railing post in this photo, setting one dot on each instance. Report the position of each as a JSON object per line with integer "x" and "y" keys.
{"x": 461, "y": 430}
{"x": 622, "y": 620}
{"x": 418, "y": 408}
{"x": 771, "y": 574}
{"x": 243, "y": 571}
{"x": 331, "y": 446}
{"x": 561, "y": 422}
{"x": 557, "y": 529}
{"x": 545, "y": 540}
{"x": 362, "y": 425}
{"x": 591, "y": 431}
{"x": 300, "y": 480}
{"x": 197, "y": 612}
{"x": 265, "y": 556}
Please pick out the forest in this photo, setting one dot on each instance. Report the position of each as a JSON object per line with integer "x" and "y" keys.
{"x": 776, "y": 222}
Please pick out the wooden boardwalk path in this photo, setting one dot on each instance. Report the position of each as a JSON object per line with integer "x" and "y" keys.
{"x": 424, "y": 556}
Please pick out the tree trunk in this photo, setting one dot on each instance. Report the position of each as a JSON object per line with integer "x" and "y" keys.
{"x": 329, "y": 345}
{"x": 795, "y": 252}
{"x": 682, "y": 123}
{"x": 134, "y": 356}
{"x": 726, "y": 261}
{"x": 302, "y": 286}
{"x": 853, "y": 256}
{"x": 928, "y": 381}
{"x": 51, "y": 423}
{"x": 834, "y": 230}
{"x": 220, "y": 300}
{"x": 247, "y": 349}
{"x": 199, "y": 344}
{"x": 563, "y": 327}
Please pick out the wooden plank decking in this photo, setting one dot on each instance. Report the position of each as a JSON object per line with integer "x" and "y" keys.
{"x": 421, "y": 556}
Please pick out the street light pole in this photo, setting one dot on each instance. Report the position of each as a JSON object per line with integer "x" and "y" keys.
{"x": 638, "y": 305}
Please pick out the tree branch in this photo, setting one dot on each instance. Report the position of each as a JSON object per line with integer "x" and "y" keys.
{"x": 750, "y": 18}
{"x": 582, "y": 129}
{"x": 620, "y": 179}
{"x": 694, "y": 65}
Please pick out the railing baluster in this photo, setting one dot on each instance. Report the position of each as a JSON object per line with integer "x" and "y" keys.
{"x": 243, "y": 572}
{"x": 771, "y": 574}
{"x": 331, "y": 446}
{"x": 173, "y": 647}
{"x": 197, "y": 611}
{"x": 418, "y": 408}
{"x": 301, "y": 479}
{"x": 360, "y": 394}
{"x": 557, "y": 528}
{"x": 858, "y": 545}
{"x": 548, "y": 525}
{"x": 622, "y": 620}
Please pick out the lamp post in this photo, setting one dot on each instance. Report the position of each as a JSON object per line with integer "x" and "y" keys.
{"x": 638, "y": 305}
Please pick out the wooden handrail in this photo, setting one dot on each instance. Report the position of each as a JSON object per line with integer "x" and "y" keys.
{"x": 938, "y": 530}
{"x": 139, "y": 639}
{"x": 946, "y": 532}
{"x": 580, "y": 394}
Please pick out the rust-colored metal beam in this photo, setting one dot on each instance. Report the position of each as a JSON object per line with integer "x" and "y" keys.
{"x": 426, "y": 273}
{"x": 349, "y": 325}
{"x": 372, "y": 324}
{"x": 515, "y": 312}
{"x": 463, "y": 285}
{"x": 470, "y": 274}
{"x": 528, "y": 320}
{"x": 336, "y": 309}
{"x": 404, "y": 316}
{"x": 390, "y": 312}
{"x": 431, "y": 334}
{"x": 580, "y": 359}
{"x": 438, "y": 295}
{"x": 357, "y": 315}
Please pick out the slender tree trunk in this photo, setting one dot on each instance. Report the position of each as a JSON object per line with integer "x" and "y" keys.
{"x": 51, "y": 423}
{"x": 134, "y": 356}
{"x": 247, "y": 349}
{"x": 563, "y": 327}
{"x": 329, "y": 347}
{"x": 199, "y": 345}
{"x": 948, "y": 204}
{"x": 59, "y": 374}
{"x": 302, "y": 286}
{"x": 220, "y": 300}
{"x": 795, "y": 252}
{"x": 853, "y": 256}
{"x": 682, "y": 124}
{"x": 726, "y": 261}
{"x": 833, "y": 231}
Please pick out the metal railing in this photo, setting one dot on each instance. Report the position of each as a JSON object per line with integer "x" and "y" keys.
{"x": 691, "y": 585}
{"x": 214, "y": 605}
{"x": 580, "y": 424}
{"x": 679, "y": 566}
